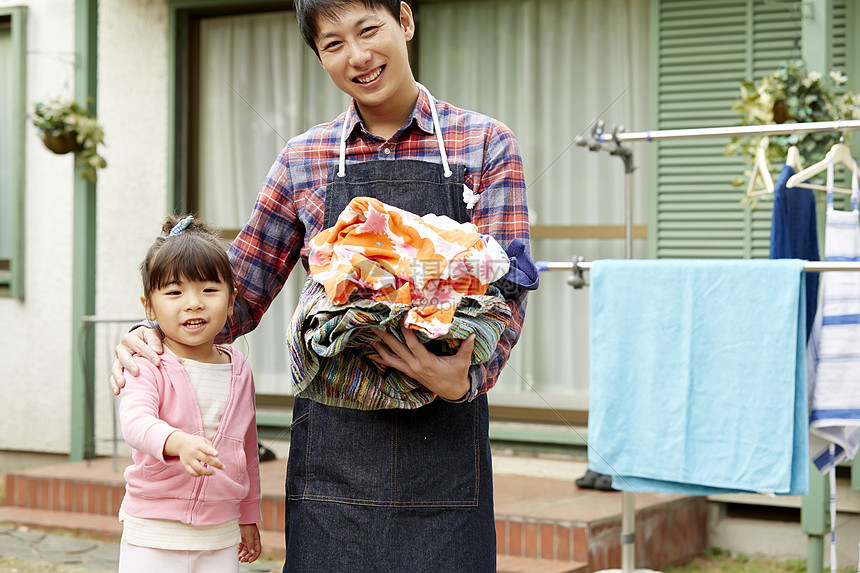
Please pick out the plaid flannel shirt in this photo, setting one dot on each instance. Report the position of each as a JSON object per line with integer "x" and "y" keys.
{"x": 290, "y": 206}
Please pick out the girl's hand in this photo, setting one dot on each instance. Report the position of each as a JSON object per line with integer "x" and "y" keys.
{"x": 250, "y": 547}
{"x": 196, "y": 453}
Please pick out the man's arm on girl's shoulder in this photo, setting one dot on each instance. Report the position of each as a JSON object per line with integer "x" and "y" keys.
{"x": 264, "y": 253}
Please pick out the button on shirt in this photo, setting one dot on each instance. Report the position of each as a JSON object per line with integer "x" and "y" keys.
{"x": 291, "y": 204}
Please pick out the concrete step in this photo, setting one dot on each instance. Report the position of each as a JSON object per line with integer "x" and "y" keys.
{"x": 510, "y": 564}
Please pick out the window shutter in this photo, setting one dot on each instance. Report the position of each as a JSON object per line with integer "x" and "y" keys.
{"x": 13, "y": 52}
{"x": 703, "y": 51}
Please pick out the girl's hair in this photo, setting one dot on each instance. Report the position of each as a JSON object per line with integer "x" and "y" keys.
{"x": 194, "y": 254}
{"x": 308, "y": 11}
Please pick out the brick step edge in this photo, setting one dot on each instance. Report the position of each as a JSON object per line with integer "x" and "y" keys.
{"x": 108, "y": 528}
{"x": 105, "y": 527}
{"x": 512, "y": 564}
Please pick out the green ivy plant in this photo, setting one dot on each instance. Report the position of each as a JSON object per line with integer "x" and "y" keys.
{"x": 59, "y": 118}
{"x": 793, "y": 94}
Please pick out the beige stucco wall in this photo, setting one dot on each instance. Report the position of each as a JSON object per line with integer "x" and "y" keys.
{"x": 132, "y": 192}
{"x": 38, "y": 340}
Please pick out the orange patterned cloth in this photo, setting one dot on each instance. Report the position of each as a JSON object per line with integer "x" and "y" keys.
{"x": 379, "y": 252}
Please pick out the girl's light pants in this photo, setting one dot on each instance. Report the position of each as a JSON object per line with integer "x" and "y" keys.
{"x": 135, "y": 559}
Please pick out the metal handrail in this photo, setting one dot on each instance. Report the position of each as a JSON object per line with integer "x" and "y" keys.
{"x": 111, "y": 338}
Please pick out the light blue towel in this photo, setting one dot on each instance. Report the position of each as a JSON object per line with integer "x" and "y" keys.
{"x": 698, "y": 376}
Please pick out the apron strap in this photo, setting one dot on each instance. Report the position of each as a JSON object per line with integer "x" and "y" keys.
{"x": 341, "y": 170}
{"x": 438, "y": 131}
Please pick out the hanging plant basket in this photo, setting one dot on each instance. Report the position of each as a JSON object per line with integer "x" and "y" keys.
{"x": 64, "y": 126}
{"x": 793, "y": 94}
{"x": 60, "y": 144}
{"x": 780, "y": 111}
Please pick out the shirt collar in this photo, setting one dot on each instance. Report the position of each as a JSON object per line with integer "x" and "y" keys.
{"x": 421, "y": 116}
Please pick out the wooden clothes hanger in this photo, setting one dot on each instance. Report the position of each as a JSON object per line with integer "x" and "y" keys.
{"x": 792, "y": 159}
{"x": 761, "y": 171}
{"x": 840, "y": 154}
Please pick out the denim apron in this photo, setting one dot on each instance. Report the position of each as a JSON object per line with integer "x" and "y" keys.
{"x": 391, "y": 490}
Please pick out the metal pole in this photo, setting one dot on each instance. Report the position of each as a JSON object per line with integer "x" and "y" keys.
{"x": 100, "y": 320}
{"x": 628, "y": 531}
{"x": 628, "y": 214}
{"x": 779, "y": 129}
{"x": 808, "y": 267}
{"x": 628, "y": 498}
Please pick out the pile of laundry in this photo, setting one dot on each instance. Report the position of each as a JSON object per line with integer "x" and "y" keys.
{"x": 379, "y": 267}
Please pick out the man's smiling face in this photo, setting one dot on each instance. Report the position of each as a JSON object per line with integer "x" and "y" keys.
{"x": 364, "y": 52}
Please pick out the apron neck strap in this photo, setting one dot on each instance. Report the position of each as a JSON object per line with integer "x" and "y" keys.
{"x": 438, "y": 129}
{"x": 341, "y": 170}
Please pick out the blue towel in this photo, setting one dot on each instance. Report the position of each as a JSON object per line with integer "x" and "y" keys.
{"x": 794, "y": 233}
{"x": 698, "y": 376}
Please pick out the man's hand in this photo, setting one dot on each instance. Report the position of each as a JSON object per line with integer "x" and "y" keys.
{"x": 144, "y": 341}
{"x": 196, "y": 453}
{"x": 445, "y": 376}
{"x": 250, "y": 547}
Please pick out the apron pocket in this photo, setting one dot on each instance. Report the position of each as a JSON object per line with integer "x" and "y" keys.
{"x": 437, "y": 455}
{"x": 427, "y": 457}
{"x": 341, "y": 455}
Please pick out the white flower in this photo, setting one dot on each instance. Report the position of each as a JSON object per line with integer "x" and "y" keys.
{"x": 838, "y": 77}
{"x": 811, "y": 78}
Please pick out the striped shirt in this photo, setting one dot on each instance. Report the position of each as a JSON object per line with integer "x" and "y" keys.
{"x": 291, "y": 204}
{"x": 212, "y": 385}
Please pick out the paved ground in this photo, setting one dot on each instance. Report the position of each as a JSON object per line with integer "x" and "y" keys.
{"x": 87, "y": 554}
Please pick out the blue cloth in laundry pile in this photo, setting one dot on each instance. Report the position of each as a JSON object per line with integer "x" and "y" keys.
{"x": 698, "y": 376}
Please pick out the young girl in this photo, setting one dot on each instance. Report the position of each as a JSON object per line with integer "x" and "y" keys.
{"x": 192, "y": 499}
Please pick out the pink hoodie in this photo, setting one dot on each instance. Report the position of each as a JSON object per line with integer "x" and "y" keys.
{"x": 162, "y": 400}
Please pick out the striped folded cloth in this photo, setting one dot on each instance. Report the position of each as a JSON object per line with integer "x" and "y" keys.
{"x": 428, "y": 263}
{"x": 330, "y": 349}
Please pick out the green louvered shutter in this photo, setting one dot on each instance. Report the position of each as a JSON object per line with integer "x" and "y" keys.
{"x": 703, "y": 50}
{"x": 839, "y": 37}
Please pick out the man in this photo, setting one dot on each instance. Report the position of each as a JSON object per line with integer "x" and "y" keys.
{"x": 384, "y": 490}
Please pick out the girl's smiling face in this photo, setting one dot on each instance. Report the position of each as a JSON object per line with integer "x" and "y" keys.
{"x": 191, "y": 314}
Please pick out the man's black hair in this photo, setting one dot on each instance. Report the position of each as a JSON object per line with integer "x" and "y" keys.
{"x": 308, "y": 11}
